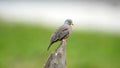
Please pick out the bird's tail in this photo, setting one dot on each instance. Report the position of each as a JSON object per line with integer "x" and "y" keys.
{"x": 49, "y": 46}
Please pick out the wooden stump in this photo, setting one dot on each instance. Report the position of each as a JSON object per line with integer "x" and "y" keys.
{"x": 58, "y": 58}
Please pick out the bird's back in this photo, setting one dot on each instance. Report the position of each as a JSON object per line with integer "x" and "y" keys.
{"x": 61, "y": 33}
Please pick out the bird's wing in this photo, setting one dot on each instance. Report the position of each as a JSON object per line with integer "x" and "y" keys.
{"x": 64, "y": 32}
{"x": 61, "y": 33}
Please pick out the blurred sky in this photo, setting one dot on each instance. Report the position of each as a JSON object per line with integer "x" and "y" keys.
{"x": 86, "y": 14}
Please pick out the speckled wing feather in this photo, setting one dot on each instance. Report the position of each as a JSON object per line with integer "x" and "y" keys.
{"x": 62, "y": 33}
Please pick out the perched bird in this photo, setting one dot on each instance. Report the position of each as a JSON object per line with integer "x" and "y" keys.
{"x": 62, "y": 32}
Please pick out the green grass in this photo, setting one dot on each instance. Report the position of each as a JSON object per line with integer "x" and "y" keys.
{"x": 24, "y": 46}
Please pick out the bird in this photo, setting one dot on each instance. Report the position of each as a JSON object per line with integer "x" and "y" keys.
{"x": 62, "y": 32}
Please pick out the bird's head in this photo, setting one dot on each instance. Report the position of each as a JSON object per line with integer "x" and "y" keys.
{"x": 68, "y": 21}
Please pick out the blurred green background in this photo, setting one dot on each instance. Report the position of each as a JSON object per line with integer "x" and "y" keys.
{"x": 24, "y": 46}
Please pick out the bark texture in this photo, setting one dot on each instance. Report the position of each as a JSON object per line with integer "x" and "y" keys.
{"x": 58, "y": 58}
